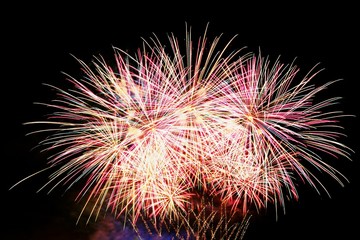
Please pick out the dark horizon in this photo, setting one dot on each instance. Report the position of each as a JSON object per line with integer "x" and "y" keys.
{"x": 38, "y": 48}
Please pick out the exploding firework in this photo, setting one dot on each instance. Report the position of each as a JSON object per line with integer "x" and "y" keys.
{"x": 190, "y": 142}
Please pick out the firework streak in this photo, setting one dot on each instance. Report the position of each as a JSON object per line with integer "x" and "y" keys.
{"x": 176, "y": 138}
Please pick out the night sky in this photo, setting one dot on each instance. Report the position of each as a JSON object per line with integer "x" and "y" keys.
{"x": 38, "y": 42}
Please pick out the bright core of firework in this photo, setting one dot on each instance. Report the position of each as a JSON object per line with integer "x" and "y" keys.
{"x": 157, "y": 130}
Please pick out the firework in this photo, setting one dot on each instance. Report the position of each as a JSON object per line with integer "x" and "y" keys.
{"x": 178, "y": 138}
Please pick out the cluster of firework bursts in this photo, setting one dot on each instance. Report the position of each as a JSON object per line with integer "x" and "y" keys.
{"x": 190, "y": 142}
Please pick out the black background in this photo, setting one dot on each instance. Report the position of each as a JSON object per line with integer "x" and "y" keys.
{"x": 37, "y": 41}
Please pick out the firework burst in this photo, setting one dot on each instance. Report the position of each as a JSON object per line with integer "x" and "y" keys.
{"x": 170, "y": 136}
